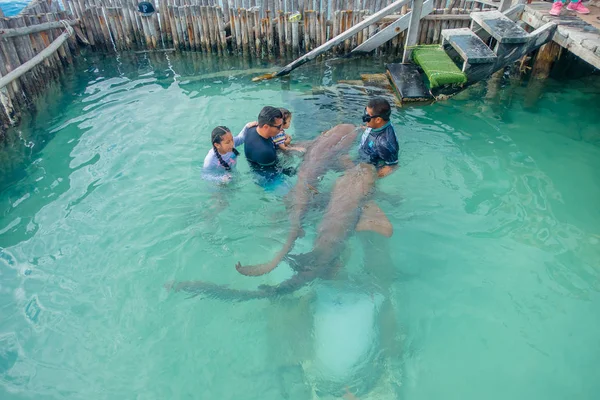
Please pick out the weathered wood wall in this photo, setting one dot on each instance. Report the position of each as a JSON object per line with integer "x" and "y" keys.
{"x": 255, "y": 28}
{"x": 15, "y": 51}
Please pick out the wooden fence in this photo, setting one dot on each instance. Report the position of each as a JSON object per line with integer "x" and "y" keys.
{"x": 16, "y": 49}
{"x": 249, "y": 27}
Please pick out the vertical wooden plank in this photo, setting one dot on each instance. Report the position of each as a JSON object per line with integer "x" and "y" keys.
{"x": 165, "y": 25}
{"x": 312, "y": 34}
{"x": 103, "y": 25}
{"x": 220, "y": 19}
{"x": 101, "y": 43}
{"x": 251, "y": 35}
{"x": 238, "y": 33}
{"x": 348, "y": 24}
{"x": 205, "y": 28}
{"x": 430, "y": 28}
{"x": 48, "y": 38}
{"x": 126, "y": 25}
{"x": 244, "y": 31}
{"x": 197, "y": 28}
{"x": 175, "y": 25}
{"x": 146, "y": 32}
{"x": 271, "y": 34}
{"x": 70, "y": 45}
{"x": 24, "y": 52}
{"x": 287, "y": 32}
{"x": 280, "y": 32}
{"x": 84, "y": 15}
{"x": 257, "y": 33}
{"x": 173, "y": 22}
{"x": 306, "y": 23}
{"x": 295, "y": 28}
{"x": 215, "y": 27}
{"x": 413, "y": 29}
{"x": 116, "y": 28}
{"x": 123, "y": 21}
{"x": 212, "y": 31}
{"x": 130, "y": 27}
{"x": 200, "y": 28}
{"x": 189, "y": 26}
{"x": 232, "y": 24}
{"x": 11, "y": 61}
{"x": 119, "y": 27}
{"x": 226, "y": 10}
{"x": 182, "y": 25}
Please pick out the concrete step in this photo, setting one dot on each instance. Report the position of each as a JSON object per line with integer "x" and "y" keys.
{"x": 499, "y": 26}
{"x": 469, "y": 46}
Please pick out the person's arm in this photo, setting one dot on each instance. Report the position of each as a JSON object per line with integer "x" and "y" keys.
{"x": 288, "y": 140}
{"x": 295, "y": 148}
{"x": 241, "y": 137}
{"x": 386, "y": 170}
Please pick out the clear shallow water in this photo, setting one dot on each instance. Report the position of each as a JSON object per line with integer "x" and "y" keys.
{"x": 489, "y": 285}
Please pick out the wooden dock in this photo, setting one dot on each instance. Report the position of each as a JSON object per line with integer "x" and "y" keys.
{"x": 576, "y": 33}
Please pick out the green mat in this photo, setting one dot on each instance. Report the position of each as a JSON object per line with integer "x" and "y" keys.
{"x": 438, "y": 67}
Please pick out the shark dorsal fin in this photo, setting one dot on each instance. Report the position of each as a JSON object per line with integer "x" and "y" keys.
{"x": 374, "y": 219}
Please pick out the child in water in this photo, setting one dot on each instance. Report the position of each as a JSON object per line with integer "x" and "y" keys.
{"x": 222, "y": 158}
{"x": 282, "y": 140}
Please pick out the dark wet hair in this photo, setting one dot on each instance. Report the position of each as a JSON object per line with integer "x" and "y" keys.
{"x": 286, "y": 114}
{"x": 381, "y": 107}
{"x": 216, "y": 137}
{"x": 268, "y": 115}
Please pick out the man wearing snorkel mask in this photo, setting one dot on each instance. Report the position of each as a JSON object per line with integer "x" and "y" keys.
{"x": 379, "y": 144}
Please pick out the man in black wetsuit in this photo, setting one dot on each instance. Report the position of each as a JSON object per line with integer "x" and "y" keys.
{"x": 259, "y": 148}
{"x": 379, "y": 144}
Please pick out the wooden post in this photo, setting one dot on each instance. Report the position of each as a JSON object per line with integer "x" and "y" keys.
{"x": 257, "y": 33}
{"x": 189, "y": 26}
{"x": 238, "y": 32}
{"x": 280, "y": 32}
{"x": 323, "y": 24}
{"x": 287, "y": 32}
{"x": 172, "y": 24}
{"x": 221, "y": 26}
{"x": 250, "y": 27}
{"x": 544, "y": 60}
{"x": 306, "y": 22}
{"x": 49, "y": 37}
{"x": 206, "y": 29}
{"x": 271, "y": 34}
{"x": 295, "y": 37}
{"x": 413, "y": 29}
{"x": 244, "y": 29}
{"x": 337, "y": 27}
{"x": 196, "y": 28}
{"x": 22, "y": 46}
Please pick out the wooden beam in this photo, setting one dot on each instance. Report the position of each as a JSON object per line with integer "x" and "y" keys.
{"x": 47, "y": 52}
{"x": 392, "y": 30}
{"x": 413, "y": 29}
{"x": 27, "y": 30}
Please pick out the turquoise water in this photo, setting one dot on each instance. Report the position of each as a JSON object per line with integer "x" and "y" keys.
{"x": 11, "y": 7}
{"x": 487, "y": 289}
